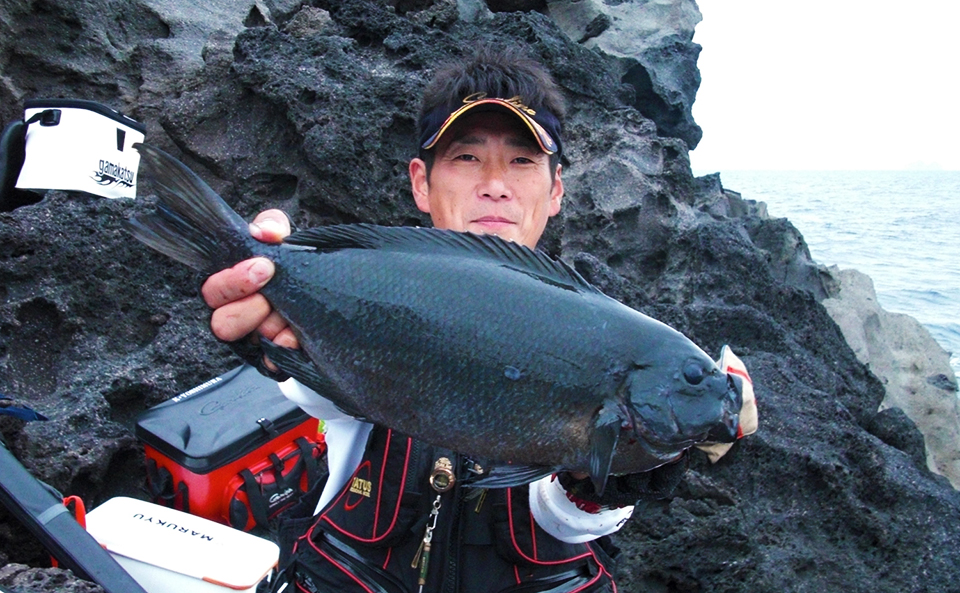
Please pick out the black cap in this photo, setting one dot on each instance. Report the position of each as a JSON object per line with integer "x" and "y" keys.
{"x": 544, "y": 125}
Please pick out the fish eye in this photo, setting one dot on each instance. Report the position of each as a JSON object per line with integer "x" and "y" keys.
{"x": 694, "y": 372}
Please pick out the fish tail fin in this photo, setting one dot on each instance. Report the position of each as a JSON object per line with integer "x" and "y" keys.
{"x": 192, "y": 225}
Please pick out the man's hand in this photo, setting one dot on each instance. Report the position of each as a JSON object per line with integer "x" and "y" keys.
{"x": 238, "y": 308}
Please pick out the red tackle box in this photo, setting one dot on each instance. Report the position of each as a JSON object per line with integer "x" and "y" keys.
{"x": 233, "y": 450}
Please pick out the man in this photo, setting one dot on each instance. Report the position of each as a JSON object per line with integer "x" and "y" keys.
{"x": 391, "y": 516}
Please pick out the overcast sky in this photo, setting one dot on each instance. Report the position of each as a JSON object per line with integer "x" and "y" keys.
{"x": 828, "y": 84}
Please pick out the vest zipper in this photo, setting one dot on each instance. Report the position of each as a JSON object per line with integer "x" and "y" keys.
{"x": 451, "y": 578}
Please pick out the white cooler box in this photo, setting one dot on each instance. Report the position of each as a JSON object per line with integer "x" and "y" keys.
{"x": 169, "y": 551}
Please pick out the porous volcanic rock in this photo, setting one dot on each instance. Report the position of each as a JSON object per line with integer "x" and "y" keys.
{"x": 26, "y": 579}
{"x": 311, "y": 107}
{"x": 913, "y": 367}
{"x": 656, "y": 56}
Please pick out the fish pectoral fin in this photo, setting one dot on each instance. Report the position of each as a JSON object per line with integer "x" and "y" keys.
{"x": 507, "y": 476}
{"x": 603, "y": 444}
{"x": 296, "y": 364}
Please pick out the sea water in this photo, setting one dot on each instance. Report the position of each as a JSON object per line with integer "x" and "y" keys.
{"x": 898, "y": 227}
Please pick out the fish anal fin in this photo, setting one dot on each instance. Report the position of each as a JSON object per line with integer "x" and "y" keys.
{"x": 507, "y": 476}
{"x": 603, "y": 443}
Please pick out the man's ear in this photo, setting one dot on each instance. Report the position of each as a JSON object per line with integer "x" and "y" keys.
{"x": 420, "y": 184}
{"x": 556, "y": 192}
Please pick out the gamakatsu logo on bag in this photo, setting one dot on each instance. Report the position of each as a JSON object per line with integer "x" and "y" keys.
{"x": 112, "y": 173}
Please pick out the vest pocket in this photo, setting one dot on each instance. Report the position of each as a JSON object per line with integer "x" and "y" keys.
{"x": 520, "y": 540}
{"x": 381, "y": 502}
{"x": 576, "y": 580}
{"x": 327, "y": 564}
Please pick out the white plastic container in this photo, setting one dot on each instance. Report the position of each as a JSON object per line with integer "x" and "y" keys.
{"x": 169, "y": 551}
{"x": 80, "y": 145}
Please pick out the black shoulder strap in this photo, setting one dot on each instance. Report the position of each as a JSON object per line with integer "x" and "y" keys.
{"x": 44, "y": 515}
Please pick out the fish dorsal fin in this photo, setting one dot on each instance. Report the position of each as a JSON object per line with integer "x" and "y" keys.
{"x": 429, "y": 240}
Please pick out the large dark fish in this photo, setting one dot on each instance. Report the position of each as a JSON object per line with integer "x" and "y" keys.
{"x": 464, "y": 341}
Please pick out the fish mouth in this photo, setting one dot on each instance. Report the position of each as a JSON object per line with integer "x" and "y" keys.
{"x": 676, "y": 424}
{"x": 727, "y": 430}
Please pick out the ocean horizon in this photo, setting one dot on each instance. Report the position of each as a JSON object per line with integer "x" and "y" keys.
{"x": 898, "y": 227}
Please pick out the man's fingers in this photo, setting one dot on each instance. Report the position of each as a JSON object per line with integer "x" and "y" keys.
{"x": 238, "y": 282}
{"x": 285, "y": 339}
{"x": 233, "y": 293}
{"x": 238, "y": 318}
{"x": 270, "y": 226}
{"x": 273, "y": 329}
{"x": 248, "y": 276}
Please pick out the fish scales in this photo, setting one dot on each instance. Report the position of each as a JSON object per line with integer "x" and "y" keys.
{"x": 464, "y": 341}
{"x": 432, "y": 329}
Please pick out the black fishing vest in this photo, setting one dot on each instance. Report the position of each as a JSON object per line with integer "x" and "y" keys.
{"x": 371, "y": 537}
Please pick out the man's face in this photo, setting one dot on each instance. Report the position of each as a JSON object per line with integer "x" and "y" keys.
{"x": 489, "y": 176}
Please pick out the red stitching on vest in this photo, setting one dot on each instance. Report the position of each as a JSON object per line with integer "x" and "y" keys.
{"x": 345, "y": 571}
{"x": 603, "y": 569}
{"x": 387, "y": 561}
{"x": 376, "y": 512}
{"x": 396, "y": 510}
{"x": 593, "y": 580}
{"x": 516, "y": 546}
{"x": 533, "y": 534}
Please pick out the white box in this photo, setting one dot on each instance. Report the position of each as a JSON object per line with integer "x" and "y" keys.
{"x": 169, "y": 551}
{"x": 80, "y": 145}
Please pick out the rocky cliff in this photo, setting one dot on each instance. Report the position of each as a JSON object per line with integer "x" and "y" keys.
{"x": 310, "y": 106}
